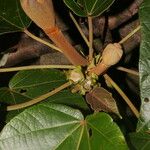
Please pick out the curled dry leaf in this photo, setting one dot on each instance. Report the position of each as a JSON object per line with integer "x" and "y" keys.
{"x": 101, "y": 100}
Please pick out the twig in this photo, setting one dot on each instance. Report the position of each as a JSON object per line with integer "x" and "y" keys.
{"x": 37, "y": 67}
{"x": 79, "y": 29}
{"x": 44, "y": 16}
{"x": 90, "y": 38}
{"x": 134, "y": 41}
{"x": 39, "y": 99}
{"x": 41, "y": 41}
{"x": 125, "y": 15}
{"x": 118, "y": 19}
{"x": 130, "y": 34}
{"x": 128, "y": 71}
{"x": 123, "y": 95}
{"x": 56, "y": 35}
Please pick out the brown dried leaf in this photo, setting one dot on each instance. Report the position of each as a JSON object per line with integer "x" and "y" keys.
{"x": 101, "y": 100}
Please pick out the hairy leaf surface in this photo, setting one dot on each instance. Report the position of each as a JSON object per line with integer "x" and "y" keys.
{"x": 144, "y": 64}
{"x": 101, "y": 100}
{"x": 141, "y": 139}
{"x": 58, "y": 127}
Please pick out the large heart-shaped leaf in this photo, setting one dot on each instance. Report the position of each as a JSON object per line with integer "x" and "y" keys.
{"x": 51, "y": 126}
{"x": 140, "y": 140}
{"x": 7, "y": 96}
{"x": 26, "y": 85}
{"x": 144, "y": 63}
{"x": 12, "y": 17}
{"x": 33, "y": 83}
{"x": 86, "y": 8}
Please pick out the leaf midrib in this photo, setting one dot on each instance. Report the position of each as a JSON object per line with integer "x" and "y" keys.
{"x": 20, "y": 134}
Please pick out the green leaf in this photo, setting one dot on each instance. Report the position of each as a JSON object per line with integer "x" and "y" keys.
{"x": 104, "y": 134}
{"x": 7, "y": 96}
{"x": 26, "y": 85}
{"x": 144, "y": 65}
{"x": 33, "y": 83}
{"x": 12, "y": 17}
{"x": 75, "y": 7}
{"x": 140, "y": 140}
{"x": 57, "y": 127}
{"x": 65, "y": 97}
{"x": 86, "y": 8}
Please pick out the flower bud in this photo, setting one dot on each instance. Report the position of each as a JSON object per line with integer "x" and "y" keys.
{"x": 112, "y": 54}
{"x": 75, "y": 75}
{"x": 40, "y": 11}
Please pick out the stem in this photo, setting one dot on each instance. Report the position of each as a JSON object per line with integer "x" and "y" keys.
{"x": 130, "y": 34}
{"x": 39, "y": 99}
{"x": 68, "y": 50}
{"x": 79, "y": 29}
{"x": 128, "y": 71}
{"x": 123, "y": 95}
{"x": 99, "y": 69}
{"x": 41, "y": 41}
{"x": 37, "y": 67}
{"x": 90, "y": 38}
